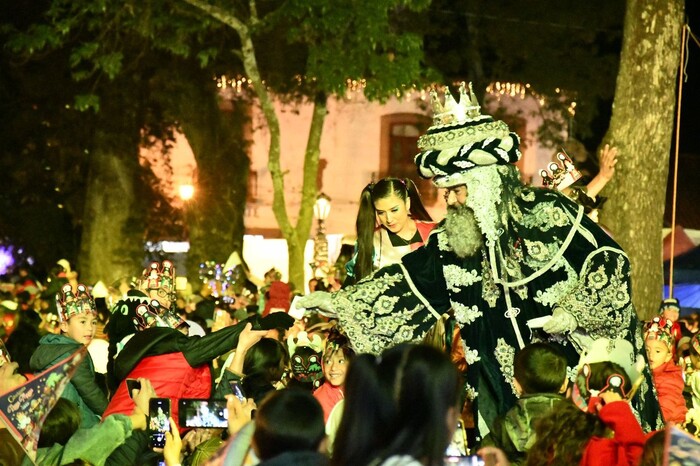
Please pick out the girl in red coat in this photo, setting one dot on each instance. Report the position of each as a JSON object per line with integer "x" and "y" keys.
{"x": 595, "y": 427}
{"x": 667, "y": 375}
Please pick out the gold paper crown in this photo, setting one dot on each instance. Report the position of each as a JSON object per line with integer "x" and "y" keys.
{"x": 71, "y": 302}
{"x": 560, "y": 175}
{"x": 452, "y": 112}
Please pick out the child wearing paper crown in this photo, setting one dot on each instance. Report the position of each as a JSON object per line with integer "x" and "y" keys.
{"x": 78, "y": 322}
{"x": 670, "y": 309}
{"x": 667, "y": 375}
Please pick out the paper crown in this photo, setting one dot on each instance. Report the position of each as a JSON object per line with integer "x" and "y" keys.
{"x": 154, "y": 315}
{"x": 70, "y": 303}
{"x": 560, "y": 175}
{"x": 461, "y": 138}
{"x": 158, "y": 276}
{"x": 660, "y": 329}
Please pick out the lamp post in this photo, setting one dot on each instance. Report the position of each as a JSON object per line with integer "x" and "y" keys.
{"x": 322, "y": 208}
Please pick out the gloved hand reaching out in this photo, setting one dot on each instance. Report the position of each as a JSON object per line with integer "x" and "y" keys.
{"x": 561, "y": 322}
{"x": 318, "y": 300}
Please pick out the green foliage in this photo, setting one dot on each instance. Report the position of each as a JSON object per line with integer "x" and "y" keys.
{"x": 85, "y": 102}
{"x": 358, "y": 39}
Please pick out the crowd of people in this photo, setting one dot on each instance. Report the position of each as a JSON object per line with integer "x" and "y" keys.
{"x": 506, "y": 331}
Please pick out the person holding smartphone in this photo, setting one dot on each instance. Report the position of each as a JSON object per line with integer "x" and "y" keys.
{"x": 59, "y": 440}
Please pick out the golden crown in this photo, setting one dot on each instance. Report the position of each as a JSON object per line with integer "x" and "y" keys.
{"x": 452, "y": 111}
{"x": 560, "y": 175}
{"x": 71, "y": 302}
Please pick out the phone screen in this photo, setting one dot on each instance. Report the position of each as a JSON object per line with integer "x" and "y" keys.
{"x": 158, "y": 421}
{"x": 458, "y": 445}
{"x": 203, "y": 413}
{"x": 237, "y": 390}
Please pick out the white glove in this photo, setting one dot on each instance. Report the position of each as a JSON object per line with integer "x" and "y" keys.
{"x": 561, "y": 322}
{"x": 318, "y": 300}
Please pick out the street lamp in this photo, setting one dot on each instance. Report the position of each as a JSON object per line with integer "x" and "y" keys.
{"x": 186, "y": 192}
{"x": 322, "y": 208}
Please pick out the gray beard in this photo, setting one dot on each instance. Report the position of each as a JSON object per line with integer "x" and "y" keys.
{"x": 463, "y": 233}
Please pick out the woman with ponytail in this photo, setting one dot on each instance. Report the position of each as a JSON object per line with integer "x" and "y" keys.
{"x": 391, "y": 222}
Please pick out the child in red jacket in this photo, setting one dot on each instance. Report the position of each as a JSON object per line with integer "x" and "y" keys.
{"x": 667, "y": 375}
{"x": 596, "y": 425}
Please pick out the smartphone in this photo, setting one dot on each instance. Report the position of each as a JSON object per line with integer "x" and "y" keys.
{"x": 458, "y": 444}
{"x": 237, "y": 390}
{"x": 472, "y": 460}
{"x": 131, "y": 385}
{"x": 203, "y": 413}
{"x": 158, "y": 421}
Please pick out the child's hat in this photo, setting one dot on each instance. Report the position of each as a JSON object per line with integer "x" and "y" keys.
{"x": 159, "y": 277}
{"x": 669, "y": 303}
{"x": 71, "y": 302}
{"x": 659, "y": 328}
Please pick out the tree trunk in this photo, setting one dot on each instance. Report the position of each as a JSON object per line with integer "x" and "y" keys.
{"x": 215, "y": 216}
{"x": 112, "y": 239}
{"x": 641, "y": 128}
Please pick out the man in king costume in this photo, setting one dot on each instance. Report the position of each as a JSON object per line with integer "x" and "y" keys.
{"x": 505, "y": 254}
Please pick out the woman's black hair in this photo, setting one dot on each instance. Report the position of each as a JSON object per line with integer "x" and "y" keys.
{"x": 288, "y": 420}
{"x": 397, "y": 405}
{"x": 263, "y": 366}
{"x": 60, "y": 424}
{"x": 366, "y": 221}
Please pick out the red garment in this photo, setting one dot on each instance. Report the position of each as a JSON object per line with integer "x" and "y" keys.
{"x": 424, "y": 229}
{"x": 627, "y": 444}
{"x": 190, "y": 382}
{"x": 279, "y": 296}
{"x": 328, "y": 395}
{"x": 668, "y": 380}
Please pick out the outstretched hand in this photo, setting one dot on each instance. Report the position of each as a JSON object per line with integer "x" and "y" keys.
{"x": 561, "y": 322}
{"x": 318, "y": 300}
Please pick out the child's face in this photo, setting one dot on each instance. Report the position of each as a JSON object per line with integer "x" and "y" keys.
{"x": 335, "y": 368}
{"x": 81, "y": 328}
{"x": 657, "y": 353}
{"x": 671, "y": 313}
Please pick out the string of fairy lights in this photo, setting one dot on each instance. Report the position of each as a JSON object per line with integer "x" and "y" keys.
{"x": 232, "y": 88}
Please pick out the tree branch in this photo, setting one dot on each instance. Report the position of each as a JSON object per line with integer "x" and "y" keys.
{"x": 311, "y": 161}
{"x": 253, "y": 13}
{"x": 222, "y": 15}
